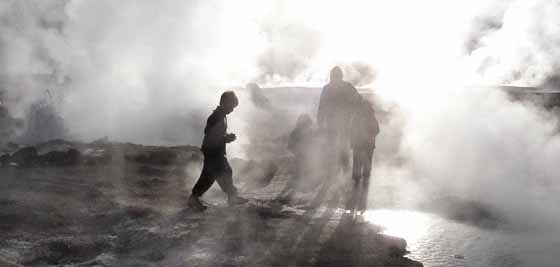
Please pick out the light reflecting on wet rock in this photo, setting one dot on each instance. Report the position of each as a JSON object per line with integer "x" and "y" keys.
{"x": 410, "y": 225}
{"x": 437, "y": 241}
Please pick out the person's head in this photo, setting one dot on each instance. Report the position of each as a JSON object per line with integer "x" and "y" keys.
{"x": 336, "y": 74}
{"x": 228, "y": 101}
{"x": 253, "y": 87}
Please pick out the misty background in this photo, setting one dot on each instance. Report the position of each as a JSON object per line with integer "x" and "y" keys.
{"x": 151, "y": 73}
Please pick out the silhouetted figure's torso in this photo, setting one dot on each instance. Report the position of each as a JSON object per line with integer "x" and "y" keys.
{"x": 364, "y": 127}
{"x": 214, "y": 142}
{"x": 300, "y": 140}
{"x": 335, "y": 107}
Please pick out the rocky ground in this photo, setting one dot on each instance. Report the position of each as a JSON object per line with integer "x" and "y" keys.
{"x": 118, "y": 204}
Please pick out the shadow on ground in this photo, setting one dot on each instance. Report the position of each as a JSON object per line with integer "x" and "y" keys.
{"x": 116, "y": 204}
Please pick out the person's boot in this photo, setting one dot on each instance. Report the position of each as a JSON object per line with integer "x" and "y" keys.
{"x": 196, "y": 204}
{"x": 234, "y": 199}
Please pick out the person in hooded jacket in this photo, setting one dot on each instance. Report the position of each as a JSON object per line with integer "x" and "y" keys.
{"x": 301, "y": 142}
{"x": 336, "y": 105}
{"x": 363, "y": 131}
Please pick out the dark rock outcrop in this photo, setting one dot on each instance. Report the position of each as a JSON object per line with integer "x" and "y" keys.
{"x": 148, "y": 170}
{"x": 155, "y": 157}
{"x": 59, "y": 251}
{"x": 61, "y": 158}
{"x": 4, "y": 160}
{"x": 25, "y": 157}
{"x": 132, "y": 212}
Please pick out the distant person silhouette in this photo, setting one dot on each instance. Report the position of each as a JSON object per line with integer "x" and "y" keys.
{"x": 258, "y": 97}
{"x": 216, "y": 165}
{"x": 364, "y": 128}
{"x": 301, "y": 143}
{"x": 336, "y": 104}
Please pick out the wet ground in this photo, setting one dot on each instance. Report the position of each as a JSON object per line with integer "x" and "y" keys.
{"x": 124, "y": 205}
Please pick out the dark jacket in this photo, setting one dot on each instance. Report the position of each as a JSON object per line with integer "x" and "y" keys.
{"x": 300, "y": 140}
{"x": 364, "y": 126}
{"x": 336, "y": 97}
{"x": 214, "y": 142}
{"x": 336, "y": 104}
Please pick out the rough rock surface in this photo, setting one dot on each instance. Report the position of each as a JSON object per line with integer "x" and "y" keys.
{"x": 117, "y": 204}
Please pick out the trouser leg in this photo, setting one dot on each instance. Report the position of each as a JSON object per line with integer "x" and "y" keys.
{"x": 225, "y": 179}
{"x": 356, "y": 178}
{"x": 344, "y": 161}
{"x": 206, "y": 179}
{"x": 367, "y": 162}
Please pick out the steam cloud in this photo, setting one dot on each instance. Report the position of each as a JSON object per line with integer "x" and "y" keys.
{"x": 148, "y": 72}
{"x": 470, "y": 141}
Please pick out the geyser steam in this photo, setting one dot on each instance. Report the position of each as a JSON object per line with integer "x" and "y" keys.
{"x": 150, "y": 72}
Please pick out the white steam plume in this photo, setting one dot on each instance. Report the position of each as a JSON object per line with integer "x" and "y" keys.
{"x": 135, "y": 70}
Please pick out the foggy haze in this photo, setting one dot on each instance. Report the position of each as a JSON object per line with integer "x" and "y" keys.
{"x": 151, "y": 72}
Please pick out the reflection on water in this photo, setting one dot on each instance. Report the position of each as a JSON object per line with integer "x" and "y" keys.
{"x": 410, "y": 225}
{"x": 436, "y": 241}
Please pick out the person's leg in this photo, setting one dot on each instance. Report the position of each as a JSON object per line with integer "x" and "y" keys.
{"x": 207, "y": 177}
{"x": 344, "y": 161}
{"x": 368, "y": 158}
{"x": 356, "y": 175}
{"x": 225, "y": 180}
{"x": 205, "y": 181}
{"x": 225, "y": 177}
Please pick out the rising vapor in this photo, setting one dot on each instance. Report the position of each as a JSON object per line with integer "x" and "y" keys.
{"x": 150, "y": 72}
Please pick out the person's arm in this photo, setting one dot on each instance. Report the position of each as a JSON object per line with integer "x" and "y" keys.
{"x": 354, "y": 97}
{"x": 229, "y": 137}
{"x": 376, "y": 125}
{"x": 375, "y": 122}
{"x": 322, "y": 108}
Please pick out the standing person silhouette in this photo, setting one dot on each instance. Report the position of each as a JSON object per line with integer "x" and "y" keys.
{"x": 364, "y": 129}
{"x": 301, "y": 143}
{"x": 336, "y": 104}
